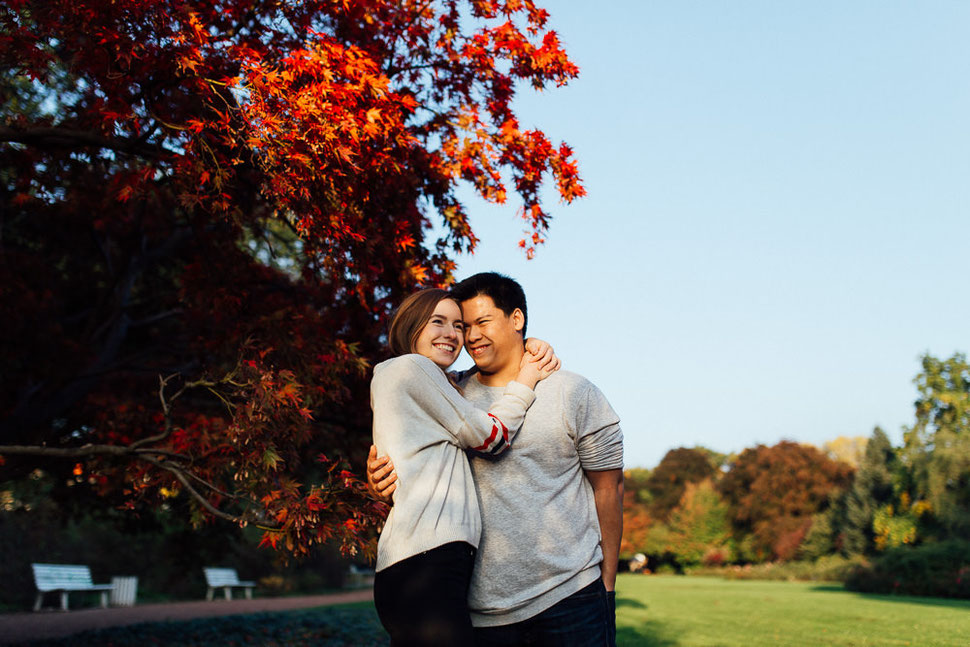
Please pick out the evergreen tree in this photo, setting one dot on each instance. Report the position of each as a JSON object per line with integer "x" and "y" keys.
{"x": 871, "y": 488}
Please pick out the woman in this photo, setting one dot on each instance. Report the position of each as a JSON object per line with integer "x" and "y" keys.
{"x": 426, "y": 549}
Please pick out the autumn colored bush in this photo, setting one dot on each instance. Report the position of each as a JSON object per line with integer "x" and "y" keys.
{"x": 696, "y": 531}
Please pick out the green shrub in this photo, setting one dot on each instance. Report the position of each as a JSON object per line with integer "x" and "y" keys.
{"x": 941, "y": 569}
{"x": 829, "y": 568}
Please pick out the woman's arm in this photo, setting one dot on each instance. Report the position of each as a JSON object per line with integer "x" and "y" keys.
{"x": 412, "y": 383}
{"x": 542, "y": 351}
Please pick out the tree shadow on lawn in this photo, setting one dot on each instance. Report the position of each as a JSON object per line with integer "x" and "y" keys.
{"x": 629, "y": 602}
{"x": 650, "y": 633}
{"x": 953, "y": 603}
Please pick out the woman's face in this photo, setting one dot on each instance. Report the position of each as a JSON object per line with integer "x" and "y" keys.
{"x": 442, "y": 337}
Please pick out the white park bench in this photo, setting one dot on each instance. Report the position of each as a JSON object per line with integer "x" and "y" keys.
{"x": 64, "y": 578}
{"x": 225, "y": 579}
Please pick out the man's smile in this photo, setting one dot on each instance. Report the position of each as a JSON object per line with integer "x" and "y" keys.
{"x": 479, "y": 350}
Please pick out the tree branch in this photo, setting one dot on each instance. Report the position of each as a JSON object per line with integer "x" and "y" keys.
{"x": 86, "y": 450}
{"x": 63, "y": 452}
{"x": 180, "y": 475}
{"x": 56, "y": 137}
{"x": 183, "y": 478}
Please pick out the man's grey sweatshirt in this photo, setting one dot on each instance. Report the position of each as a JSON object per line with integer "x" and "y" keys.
{"x": 541, "y": 534}
{"x": 424, "y": 424}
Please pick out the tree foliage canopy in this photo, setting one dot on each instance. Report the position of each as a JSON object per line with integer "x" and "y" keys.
{"x": 774, "y": 492}
{"x": 677, "y": 469}
{"x": 937, "y": 446}
{"x": 697, "y": 531}
{"x": 210, "y": 207}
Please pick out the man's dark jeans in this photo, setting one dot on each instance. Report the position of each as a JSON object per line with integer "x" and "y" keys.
{"x": 585, "y": 619}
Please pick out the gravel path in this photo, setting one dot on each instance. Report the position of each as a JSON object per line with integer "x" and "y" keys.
{"x": 20, "y": 627}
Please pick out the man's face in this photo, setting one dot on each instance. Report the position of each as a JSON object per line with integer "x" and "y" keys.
{"x": 492, "y": 338}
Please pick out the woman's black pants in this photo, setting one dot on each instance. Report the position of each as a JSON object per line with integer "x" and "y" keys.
{"x": 422, "y": 601}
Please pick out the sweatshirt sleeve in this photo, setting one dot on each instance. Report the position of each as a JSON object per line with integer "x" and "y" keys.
{"x": 599, "y": 439}
{"x": 415, "y": 386}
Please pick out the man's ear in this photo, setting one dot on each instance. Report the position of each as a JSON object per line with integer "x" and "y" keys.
{"x": 518, "y": 319}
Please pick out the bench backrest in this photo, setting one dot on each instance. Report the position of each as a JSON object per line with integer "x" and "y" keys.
{"x": 221, "y": 576}
{"x": 61, "y": 577}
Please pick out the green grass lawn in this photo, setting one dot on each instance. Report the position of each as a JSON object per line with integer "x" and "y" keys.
{"x": 655, "y": 611}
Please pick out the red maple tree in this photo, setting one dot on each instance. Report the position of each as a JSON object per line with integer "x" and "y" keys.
{"x": 209, "y": 208}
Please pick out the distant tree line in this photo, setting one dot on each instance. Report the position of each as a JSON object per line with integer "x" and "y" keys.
{"x": 897, "y": 517}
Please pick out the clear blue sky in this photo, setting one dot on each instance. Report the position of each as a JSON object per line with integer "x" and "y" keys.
{"x": 777, "y": 221}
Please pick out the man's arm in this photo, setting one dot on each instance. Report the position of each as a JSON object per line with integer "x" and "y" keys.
{"x": 608, "y": 494}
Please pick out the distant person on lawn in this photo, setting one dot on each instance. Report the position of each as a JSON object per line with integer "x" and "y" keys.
{"x": 427, "y": 546}
{"x": 552, "y": 506}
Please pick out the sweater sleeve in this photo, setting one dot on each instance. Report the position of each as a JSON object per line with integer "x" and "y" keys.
{"x": 429, "y": 393}
{"x": 599, "y": 439}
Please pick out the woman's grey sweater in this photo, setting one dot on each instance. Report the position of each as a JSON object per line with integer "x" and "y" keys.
{"x": 424, "y": 424}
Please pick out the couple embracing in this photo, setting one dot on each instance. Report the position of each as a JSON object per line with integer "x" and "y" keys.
{"x": 506, "y": 480}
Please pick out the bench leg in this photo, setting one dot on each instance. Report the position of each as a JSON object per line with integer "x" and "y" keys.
{"x": 104, "y": 599}
{"x": 209, "y": 593}
{"x": 40, "y": 597}
{"x": 249, "y": 593}
{"x": 63, "y": 600}
{"x": 228, "y": 591}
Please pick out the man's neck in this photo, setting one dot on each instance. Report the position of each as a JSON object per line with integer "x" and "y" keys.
{"x": 504, "y": 375}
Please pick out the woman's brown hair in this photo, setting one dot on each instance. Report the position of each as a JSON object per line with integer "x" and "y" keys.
{"x": 411, "y": 318}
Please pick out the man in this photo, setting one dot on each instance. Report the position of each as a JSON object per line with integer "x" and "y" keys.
{"x": 552, "y": 507}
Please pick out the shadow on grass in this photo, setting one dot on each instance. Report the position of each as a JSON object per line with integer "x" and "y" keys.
{"x": 952, "y": 603}
{"x": 648, "y": 634}
{"x": 629, "y": 602}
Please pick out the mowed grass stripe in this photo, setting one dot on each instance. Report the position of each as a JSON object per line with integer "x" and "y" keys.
{"x": 662, "y": 611}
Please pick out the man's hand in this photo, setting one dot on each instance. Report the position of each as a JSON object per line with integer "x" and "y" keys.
{"x": 381, "y": 477}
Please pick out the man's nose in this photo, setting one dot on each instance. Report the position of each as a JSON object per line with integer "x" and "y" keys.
{"x": 471, "y": 334}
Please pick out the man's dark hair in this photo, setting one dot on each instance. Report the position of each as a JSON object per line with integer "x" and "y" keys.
{"x": 506, "y": 293}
